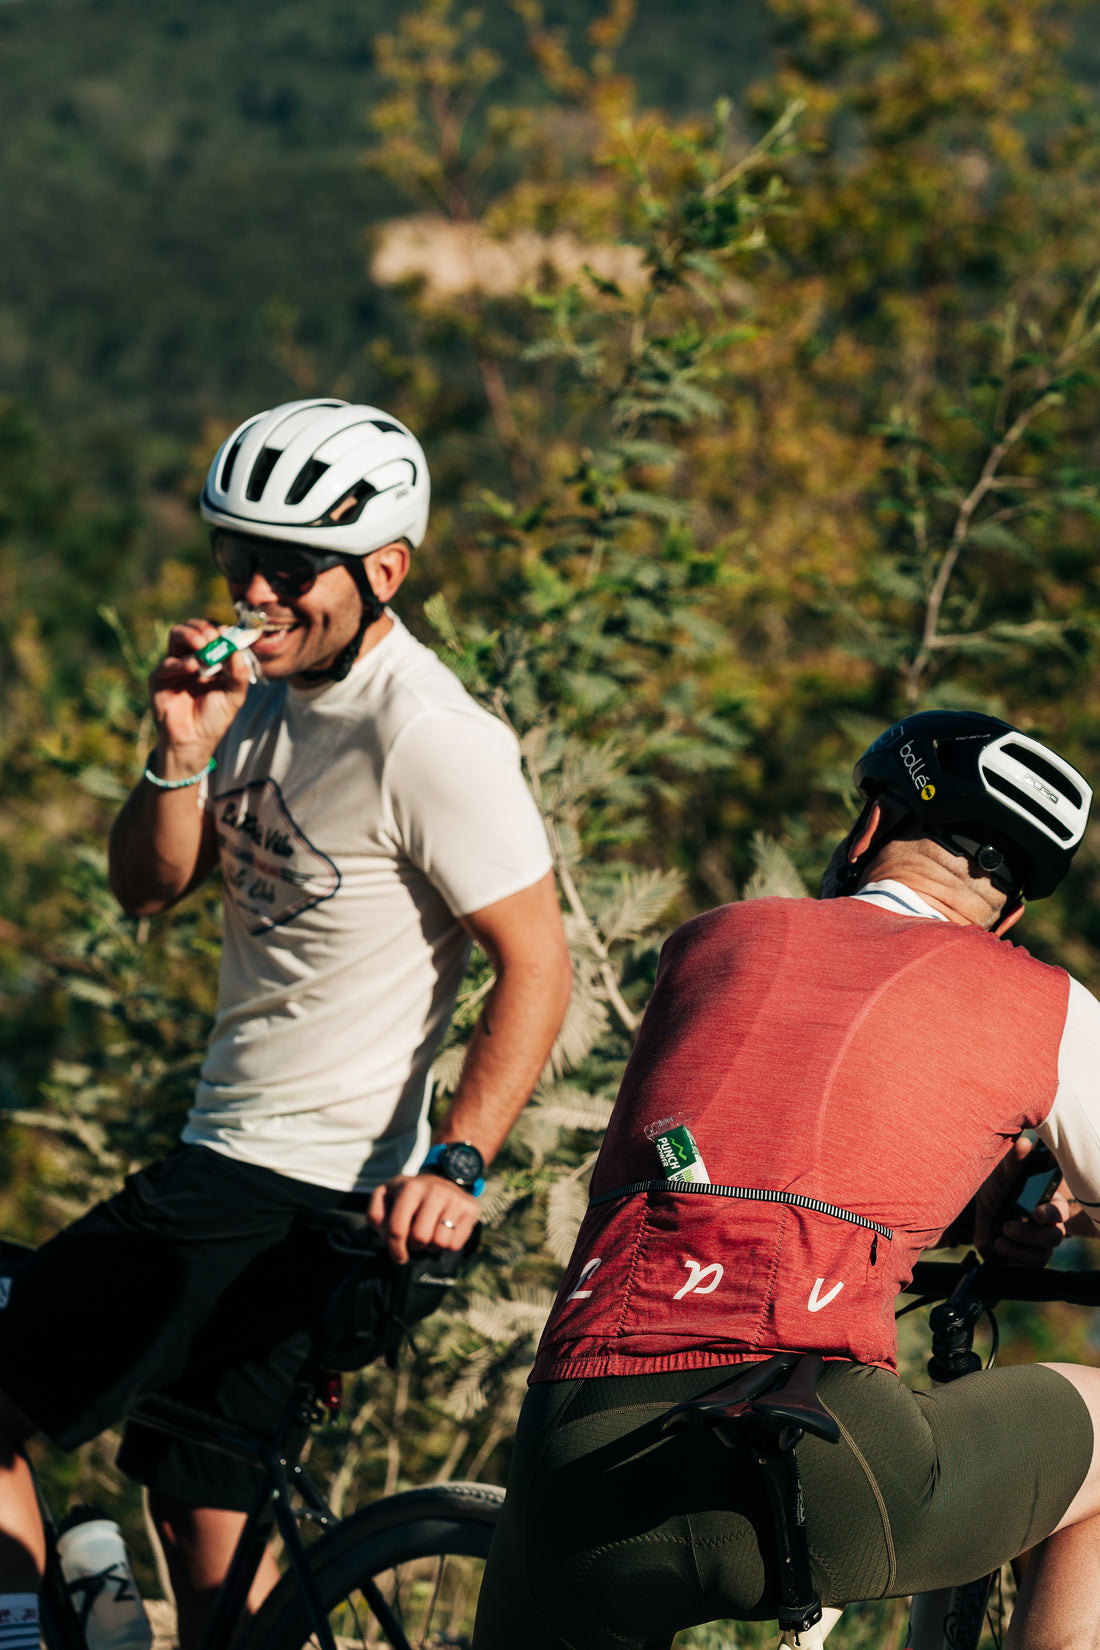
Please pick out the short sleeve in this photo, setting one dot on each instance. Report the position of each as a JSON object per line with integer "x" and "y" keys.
{"x": 1072, "y": 1126}
{"x": 461, "y": 809}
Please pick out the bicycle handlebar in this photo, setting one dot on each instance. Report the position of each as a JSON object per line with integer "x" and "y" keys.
{"x": 989, "y": 1281}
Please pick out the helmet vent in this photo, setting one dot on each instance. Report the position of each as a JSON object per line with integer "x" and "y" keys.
{"x": 350, "y": 507}
{"x": 312, "y": 471}
{"x": 230, "y": 460}
{"x": 1028, "y": 804}
{"x": 257, "y": 481}
{"x": 1057, "y": 780}
{"x": 386, "y": 427}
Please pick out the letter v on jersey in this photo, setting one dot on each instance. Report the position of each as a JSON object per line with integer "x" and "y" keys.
{"x": 817, "y": 1300}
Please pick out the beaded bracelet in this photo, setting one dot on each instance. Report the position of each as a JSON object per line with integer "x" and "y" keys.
{"x": 180, "y": 784}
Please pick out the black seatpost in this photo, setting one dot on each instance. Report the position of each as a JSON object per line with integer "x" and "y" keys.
{"x": 800, "y": 1605}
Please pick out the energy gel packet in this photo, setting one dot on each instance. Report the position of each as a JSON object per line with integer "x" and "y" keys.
{"x": 234, "y": 639}
{"x": 678, "y": 1151}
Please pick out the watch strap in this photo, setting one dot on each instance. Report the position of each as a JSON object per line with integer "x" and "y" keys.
{"x": 435, "y": 1156}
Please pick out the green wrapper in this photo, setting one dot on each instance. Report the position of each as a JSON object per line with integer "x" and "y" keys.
{"x": 680, "y": 1156}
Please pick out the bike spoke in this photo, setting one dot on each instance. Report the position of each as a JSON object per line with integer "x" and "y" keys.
{"x": 433, "y": 1600}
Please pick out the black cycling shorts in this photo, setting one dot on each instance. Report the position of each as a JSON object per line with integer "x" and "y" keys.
{"x": 190, "y": 1282}
{"x": 615, "y": 1537}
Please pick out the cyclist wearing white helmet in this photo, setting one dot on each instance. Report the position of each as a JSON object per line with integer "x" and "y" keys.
{"x": 370, "y": 819}
{"x": 837, "y": 1081}
{"x": 311, "y": 486}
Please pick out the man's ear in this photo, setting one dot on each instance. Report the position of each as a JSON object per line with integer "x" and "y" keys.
{"x": 1007, "y": 920}
{"x": 386, "y": 569}
{"x": 861, "y": 843}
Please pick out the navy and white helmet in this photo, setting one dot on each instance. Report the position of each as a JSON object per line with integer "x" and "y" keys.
{"x": 339, "y": 478}
{"x": 979, "y": 786}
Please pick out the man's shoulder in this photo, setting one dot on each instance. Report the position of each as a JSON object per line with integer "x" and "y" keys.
{"x": 408, "y": 690}
{"x": 726, "y": 923}
{"x": 412, "y": 683}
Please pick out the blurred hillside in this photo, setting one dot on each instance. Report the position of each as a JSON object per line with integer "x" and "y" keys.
{"x": 182, "y": 191}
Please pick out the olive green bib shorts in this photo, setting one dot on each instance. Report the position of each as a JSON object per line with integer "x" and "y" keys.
{"x": 614, "y": 1537}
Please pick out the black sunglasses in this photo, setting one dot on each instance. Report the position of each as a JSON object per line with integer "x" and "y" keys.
{"x": 290, "y": 569}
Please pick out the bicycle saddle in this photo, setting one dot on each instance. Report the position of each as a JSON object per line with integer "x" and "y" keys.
{"x": 781, "y": 1392}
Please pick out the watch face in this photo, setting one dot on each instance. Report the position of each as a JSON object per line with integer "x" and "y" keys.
{"x": 461, "y": 1163}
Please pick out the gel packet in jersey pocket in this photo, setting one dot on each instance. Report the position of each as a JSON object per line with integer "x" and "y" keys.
{"x": 678, "y": 1150}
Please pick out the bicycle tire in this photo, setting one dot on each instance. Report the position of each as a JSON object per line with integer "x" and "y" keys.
{"x": 424, "y": 1548}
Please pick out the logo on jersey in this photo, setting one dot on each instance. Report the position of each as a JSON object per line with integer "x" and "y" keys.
{"x": 271, "y": 871}
{"x": 588, "y": 1270}
{"x": 702, "y": 1280}
{"x": 817, "y": 1300}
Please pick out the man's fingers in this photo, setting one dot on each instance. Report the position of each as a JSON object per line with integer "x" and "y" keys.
{"x": 387, "y": 1217}
{"x": 1031, "y": 1242}
{"x": 186, "y": 638}
{"x": 423, "y": 1212}
{"x": 444, "y": 1222}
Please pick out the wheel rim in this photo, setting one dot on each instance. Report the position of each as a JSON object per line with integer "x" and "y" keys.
{"x": 433, "y": 1598}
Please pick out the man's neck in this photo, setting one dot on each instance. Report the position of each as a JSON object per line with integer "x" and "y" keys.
{"x": 892, "y": 895}
{"x": 947, "y": 893}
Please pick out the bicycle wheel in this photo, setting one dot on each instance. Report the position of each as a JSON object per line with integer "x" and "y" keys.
{"x": 424, "y": 1549}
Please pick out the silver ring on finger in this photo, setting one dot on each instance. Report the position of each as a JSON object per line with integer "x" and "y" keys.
{"x": 449, "y": 1224}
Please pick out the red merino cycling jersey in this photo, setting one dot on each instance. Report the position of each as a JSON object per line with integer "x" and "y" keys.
{"x": 829, "y": 1052}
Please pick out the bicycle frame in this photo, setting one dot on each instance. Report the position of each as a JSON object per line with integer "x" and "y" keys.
{"x": 276, "y": 1460}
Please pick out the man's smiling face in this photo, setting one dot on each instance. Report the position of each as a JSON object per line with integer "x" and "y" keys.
{"x": 305, "y": 632}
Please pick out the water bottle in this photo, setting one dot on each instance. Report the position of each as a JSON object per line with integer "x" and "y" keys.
{"x": 100, "y": 1580}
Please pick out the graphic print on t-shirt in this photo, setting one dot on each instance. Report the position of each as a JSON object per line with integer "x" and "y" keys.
{"x": 272, "y": 872}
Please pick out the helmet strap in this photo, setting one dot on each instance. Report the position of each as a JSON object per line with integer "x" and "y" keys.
{"x": 372, "y": 610}
{"x": 987, "y": 859}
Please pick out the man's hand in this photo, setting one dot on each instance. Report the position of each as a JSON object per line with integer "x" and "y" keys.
{"x": 422, "y": 1211}
{"x": 163, "y": 843}
{"x": 1021, "y": 1242}
{"x": 192, "y": 715}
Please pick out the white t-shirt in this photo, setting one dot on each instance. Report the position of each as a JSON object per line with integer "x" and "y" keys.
{"x": 356, "y": 822}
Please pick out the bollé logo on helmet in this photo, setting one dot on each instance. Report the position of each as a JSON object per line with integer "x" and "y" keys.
{"x": 915, "y": 767}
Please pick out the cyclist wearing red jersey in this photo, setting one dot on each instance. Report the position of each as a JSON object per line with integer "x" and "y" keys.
{"x": 832, "y": 1083}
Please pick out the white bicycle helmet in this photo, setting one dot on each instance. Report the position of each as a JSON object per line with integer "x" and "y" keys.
{"x": 338, "y": 479}
{"x": 286, "y": 473}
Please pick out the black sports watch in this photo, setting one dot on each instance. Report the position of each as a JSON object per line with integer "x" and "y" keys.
{"x": 459, "y": 1161}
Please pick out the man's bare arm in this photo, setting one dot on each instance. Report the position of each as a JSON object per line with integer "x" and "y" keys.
{"x": 162, "y": 844}
{"x": 523, "y": 938}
